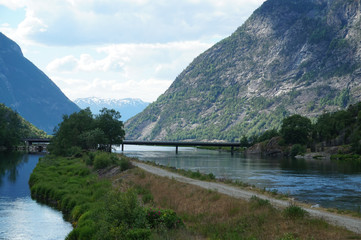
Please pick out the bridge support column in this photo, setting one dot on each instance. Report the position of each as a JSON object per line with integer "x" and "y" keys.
{"x": 27, "y": 149}
{"x": 176, "y": 149}
{"x": 122, "y": 147}
{"x": 232, "y": 150}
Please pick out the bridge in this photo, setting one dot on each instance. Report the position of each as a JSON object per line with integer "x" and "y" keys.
{"x": 181, "y": 144}
{"x": 36, "y": 144}
{"x": 40, "y": 144}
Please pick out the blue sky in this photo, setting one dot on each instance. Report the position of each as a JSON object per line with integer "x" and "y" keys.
{"x": 118, "y": 48}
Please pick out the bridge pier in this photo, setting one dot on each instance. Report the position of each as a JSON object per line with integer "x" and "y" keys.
{"x": 122, "y": 147}
{"x": 176, "y": 149}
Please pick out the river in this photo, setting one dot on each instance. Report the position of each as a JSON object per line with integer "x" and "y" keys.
{"x": 20, "y": 216}
{"x": 329, "y": 184}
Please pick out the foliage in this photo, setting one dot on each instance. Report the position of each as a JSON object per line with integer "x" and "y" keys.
{"x": 13, "y": 128}
{"x": 295, "y": 212}
{"x": 298, "y": 149}
{"x": 296, "y": 129}
{"x": 102, "y": 160}
{"x": 83, "y": 130}
{"x": 91, "y": 204}
{"x": 163, "y": 217}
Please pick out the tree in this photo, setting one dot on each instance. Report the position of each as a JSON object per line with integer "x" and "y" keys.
{"x": 68, "y": 133}
{"x": 296, "y": 129}
{"x": 82, "y": 130}
{"x": 109, "y": 122}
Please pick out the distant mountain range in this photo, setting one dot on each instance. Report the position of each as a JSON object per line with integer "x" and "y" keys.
{"x": 290, "y": 57}
{"x": 28, "y": 91}
{"x": 127, "y": 107}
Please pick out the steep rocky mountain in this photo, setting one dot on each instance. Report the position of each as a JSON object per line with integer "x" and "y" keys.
{"x": 28, "y": 91}
{"x": 290, "y": 56}
{"x": 127, "y": 107}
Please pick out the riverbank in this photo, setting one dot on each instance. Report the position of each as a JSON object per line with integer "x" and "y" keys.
{"x": 80, "y": 189}
{"x": 351, "y": 223}
{"x": 217, "y": 211}
{"x": 94, "y": 200}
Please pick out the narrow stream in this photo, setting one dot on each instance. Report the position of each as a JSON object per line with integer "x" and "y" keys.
{"x": 21, "y": 217}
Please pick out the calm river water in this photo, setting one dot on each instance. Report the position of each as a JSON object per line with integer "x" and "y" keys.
{"x": 327, "y": 183}
{"x": 20, "y": 216}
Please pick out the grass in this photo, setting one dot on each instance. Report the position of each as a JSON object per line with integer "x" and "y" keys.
{"x": 89, "y": 201}
{"x": 208, "y": 214}
{"x": 211, "y": 177}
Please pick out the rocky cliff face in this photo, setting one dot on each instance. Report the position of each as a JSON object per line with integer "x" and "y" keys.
{"x": 290, "y": 56}
{"x": 28, "y": 91}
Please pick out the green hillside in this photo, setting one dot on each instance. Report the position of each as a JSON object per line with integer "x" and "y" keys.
{"x": 290, "y": 57}
{"x": 13, "y": 128}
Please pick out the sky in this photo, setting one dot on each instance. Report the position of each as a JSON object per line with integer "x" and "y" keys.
{"x": 118, "y": 48}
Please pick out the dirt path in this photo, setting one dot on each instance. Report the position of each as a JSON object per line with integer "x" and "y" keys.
{"x": 352, "y": 224}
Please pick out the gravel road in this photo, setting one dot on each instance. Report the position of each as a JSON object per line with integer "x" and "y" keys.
{"x": 350, "y": 223}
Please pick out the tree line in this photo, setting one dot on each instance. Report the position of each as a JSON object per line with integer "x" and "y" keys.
{"x": 332, "y": 129}
{"x": 13, "y": 128}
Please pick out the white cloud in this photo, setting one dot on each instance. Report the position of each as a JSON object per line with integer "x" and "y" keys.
{"x": 74, "y": 22}
{"x": 121, "y": 48}
{"x": 124, "y": 70}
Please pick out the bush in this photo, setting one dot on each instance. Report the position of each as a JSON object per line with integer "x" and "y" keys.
{"x": 259, "y": 202}
{"x": 124, "y": 164}
{"x": 165, "y": 217}
{"x": 295, "y": 212}
{"x": 298, "y": 149}
{"x": 102, "y": 160}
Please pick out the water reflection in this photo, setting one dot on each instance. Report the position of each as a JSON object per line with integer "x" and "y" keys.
{"x": 9, "y": 163}
{"x": 20, "y": 216}
{"x": 328, "y": 183}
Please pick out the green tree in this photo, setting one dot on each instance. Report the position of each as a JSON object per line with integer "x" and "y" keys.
{"x": 296, "y": 129}
{"x": 109, "y": 122}
{"x": 244, "y": 142}
{"x": 70, "y": 132}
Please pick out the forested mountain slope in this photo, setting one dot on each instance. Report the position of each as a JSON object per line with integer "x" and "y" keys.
{"x": 28, "y": 91}
{"x": 13, "y": 128}
{"x": 290, "y": 57}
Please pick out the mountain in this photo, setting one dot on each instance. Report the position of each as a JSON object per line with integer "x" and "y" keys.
{"x": 13, "y": 128}
{"x": 290, "y": 56}
{"x": 127, "y": 107}
{"x": 28, "y": 91}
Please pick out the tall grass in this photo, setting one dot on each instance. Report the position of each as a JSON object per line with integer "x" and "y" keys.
{"x": 208, "y": 214}
{"x": 95, "y": 209}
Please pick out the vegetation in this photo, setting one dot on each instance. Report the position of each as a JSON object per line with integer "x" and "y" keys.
{"x": 85, "y": 131}
{"x": 13, "y": 128}
{"x": 91, "y": 204}
{"x": 208, "y": 214}
{"x": 341, "y": 128}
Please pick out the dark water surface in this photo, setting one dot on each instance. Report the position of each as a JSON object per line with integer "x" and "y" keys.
{"x": 327, "y": 183}
{"x": 20, "y": 216}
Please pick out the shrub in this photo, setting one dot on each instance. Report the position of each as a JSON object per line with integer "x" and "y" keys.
{"x": 102, "y": 160}
{"x": 298, "y": 149}
{"x": 165, "y": 217}
{"x": 295, "y": 212}
{"x": 259, "y": 202}
{"x": 124, "y": 164}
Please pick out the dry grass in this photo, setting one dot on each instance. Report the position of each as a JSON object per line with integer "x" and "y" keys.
{"x": 211, "y": 215}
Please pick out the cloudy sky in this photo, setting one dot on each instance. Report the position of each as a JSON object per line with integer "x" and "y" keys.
{"x": 118, "y": 48}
